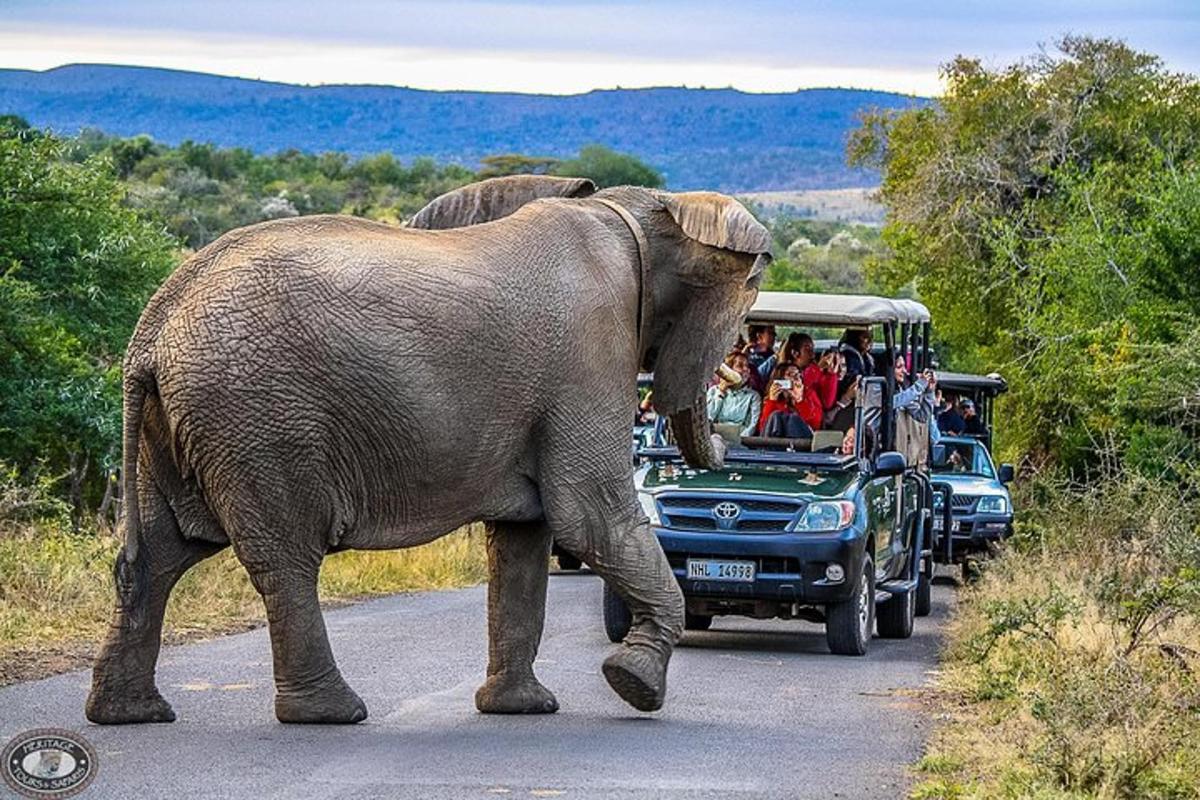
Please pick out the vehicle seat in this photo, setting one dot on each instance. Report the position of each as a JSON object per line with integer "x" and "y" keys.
{"x": 827, "y": 441}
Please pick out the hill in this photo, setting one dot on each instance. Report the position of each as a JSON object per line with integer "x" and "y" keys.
{"x": 698, "y": 138}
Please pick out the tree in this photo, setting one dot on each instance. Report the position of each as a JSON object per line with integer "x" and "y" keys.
{"x": 609, "y": 168}
{"x": 76, "y": 268}
{"x": 1047, "y": 212}
{"x": 516, "y": 164}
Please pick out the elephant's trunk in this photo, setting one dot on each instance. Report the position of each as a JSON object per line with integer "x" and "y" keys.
{"x": 693, "y": 433}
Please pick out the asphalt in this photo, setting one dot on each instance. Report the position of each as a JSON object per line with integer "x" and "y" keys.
{"x": 754, "y": 709}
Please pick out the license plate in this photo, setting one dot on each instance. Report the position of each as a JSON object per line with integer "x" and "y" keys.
{"x": 706, "y": 570}
{"x": 937, "y": 525}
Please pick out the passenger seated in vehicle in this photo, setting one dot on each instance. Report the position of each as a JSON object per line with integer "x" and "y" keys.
{"x": 949, "y": 421}
{"x": 799, "y": 410}
{"x": 855, "y": 347}
{"x": 919, "y": 399}
{"x": 735, "y": 403}
{"x": 850, "y": 441}
{"x": 821, "y": 378}
{"x": 841, "y": 416}
{"x": 760, "y": 350}
{"x": 798, "y": 349}
{"x": 972, "y": 424}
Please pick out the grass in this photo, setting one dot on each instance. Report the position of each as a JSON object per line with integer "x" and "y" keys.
{"x": 1072, "y": 665}
{"x": 56, "y": 593}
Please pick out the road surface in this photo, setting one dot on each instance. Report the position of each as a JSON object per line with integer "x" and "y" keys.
{"x": 754, "y": 709}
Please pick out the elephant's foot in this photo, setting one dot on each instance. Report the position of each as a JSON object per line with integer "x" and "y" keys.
{"x": 110, "y": 708}
{"x": 332, "y": 703}
{"x": 639, "y": 676}
{"x": 504, "y": 694}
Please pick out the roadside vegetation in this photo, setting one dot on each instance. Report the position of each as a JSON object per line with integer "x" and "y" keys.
{"x": 56, "y": 593}
{"x": 1049, "y": 214}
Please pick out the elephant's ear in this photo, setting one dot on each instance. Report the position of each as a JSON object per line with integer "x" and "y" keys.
{"x": 495, "y": 198}
{"x": 718, "y": 220}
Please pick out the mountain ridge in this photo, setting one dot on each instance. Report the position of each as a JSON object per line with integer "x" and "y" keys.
{"x": 719, "y": 138}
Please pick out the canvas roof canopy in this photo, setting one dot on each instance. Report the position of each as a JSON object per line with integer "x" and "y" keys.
{"x": 833, "y": 310}
{"x": 990, "y": 385}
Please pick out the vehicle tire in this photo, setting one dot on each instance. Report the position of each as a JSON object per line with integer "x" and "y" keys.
{"x": 617, "y": 617}
{"x": 697, "y": 622}
{"x": 849, "y": 624}
{"x": 894, "y": 619}
{"x": 925, "y": 589}
{"x": 568, "y": 561}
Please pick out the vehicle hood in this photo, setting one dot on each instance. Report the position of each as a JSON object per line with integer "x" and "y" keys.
{"x": 774, "y": 479}
{"x": 971, "y": 484}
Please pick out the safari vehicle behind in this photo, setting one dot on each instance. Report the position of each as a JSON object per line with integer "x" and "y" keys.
{"x": 980, "y": 506}
{"x": 794, "y": 528}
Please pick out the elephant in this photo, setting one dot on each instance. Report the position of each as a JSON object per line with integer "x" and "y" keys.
{"x": 304, "y": 386}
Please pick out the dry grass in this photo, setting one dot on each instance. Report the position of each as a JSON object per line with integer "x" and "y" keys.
{"x": 56, "y": 591}
{"x": 1072, "y": 669}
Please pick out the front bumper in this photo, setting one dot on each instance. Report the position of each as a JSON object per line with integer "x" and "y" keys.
{"x": 974, "y": 532}
{"x": 789, "y": 567}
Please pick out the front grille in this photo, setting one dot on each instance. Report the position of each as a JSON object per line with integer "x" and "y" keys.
{"x": 962, "y": 502}
{"x": 712, "y": 512}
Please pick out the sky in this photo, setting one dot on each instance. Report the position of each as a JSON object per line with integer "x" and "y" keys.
{"x": 568, "y": 46}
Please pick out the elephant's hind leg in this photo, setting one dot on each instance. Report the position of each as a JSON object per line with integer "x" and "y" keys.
{"x": 518, "y": 564}
{"x": 123, "y": 689}
{"x": 308, "y": 686}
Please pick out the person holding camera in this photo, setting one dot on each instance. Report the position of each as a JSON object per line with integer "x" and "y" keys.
{"x": 821, "y": 377}
{"x": 732, "y": 400}
{"x": 787, "y": 395}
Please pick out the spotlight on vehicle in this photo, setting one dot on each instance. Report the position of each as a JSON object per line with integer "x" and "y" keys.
{"x": 834, "y": 573}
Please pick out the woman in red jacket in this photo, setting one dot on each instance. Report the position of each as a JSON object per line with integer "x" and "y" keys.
{"x": 786, "y": 394}
{"x": 821, "y": 378}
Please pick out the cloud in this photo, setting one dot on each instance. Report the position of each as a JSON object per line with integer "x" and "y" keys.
{"x": 573, "y": 45}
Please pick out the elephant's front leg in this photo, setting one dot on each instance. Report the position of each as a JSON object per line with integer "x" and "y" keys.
{"x": 308, "y": 685}
{"x": 518, "y": 565}
{"x": 614, "y": 538}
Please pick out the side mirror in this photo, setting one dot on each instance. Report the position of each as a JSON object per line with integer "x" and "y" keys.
{"x": 1006, "y": 473}
{"x": 890, "y": 463}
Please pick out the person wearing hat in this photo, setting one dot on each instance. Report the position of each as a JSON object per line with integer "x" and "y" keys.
{"x": 972, "y": 424}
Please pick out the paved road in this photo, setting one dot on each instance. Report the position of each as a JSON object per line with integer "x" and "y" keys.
{"x": 754, "y": 709}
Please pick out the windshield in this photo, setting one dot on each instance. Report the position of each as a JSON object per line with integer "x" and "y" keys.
{"x": 966, "y": 458}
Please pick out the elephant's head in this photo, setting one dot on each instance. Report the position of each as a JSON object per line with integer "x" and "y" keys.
{"x": 706, "y": 257}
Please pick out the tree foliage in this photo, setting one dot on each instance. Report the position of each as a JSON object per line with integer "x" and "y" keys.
{"x": 1049, "y": 213}
{"x": 609, "y": 168}
{"x": 76, "y": 267}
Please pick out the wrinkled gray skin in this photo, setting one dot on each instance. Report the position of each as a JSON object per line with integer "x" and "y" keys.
{"x": 323, "y": 383}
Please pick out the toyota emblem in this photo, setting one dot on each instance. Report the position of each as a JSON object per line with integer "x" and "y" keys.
{"x": 727, "y": 511}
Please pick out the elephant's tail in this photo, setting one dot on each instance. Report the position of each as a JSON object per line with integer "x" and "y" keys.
{"x": 131, "y": 573}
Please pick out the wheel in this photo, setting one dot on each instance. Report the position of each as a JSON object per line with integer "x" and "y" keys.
{"x": 925, "y": 589}
{"x": 894, "y": 619}
{"x": 617, "y": 618}
{"x": 697, "y": 622}
{"x": 848, "y": 625}
{"x": 568, "y": 561}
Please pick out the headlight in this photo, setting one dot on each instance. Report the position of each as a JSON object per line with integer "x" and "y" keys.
{"x": 938, "y": 501}
{"x": 826, "y": 515}
{"x": 649, "y": 506}
{"x": 992, "y": 504}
